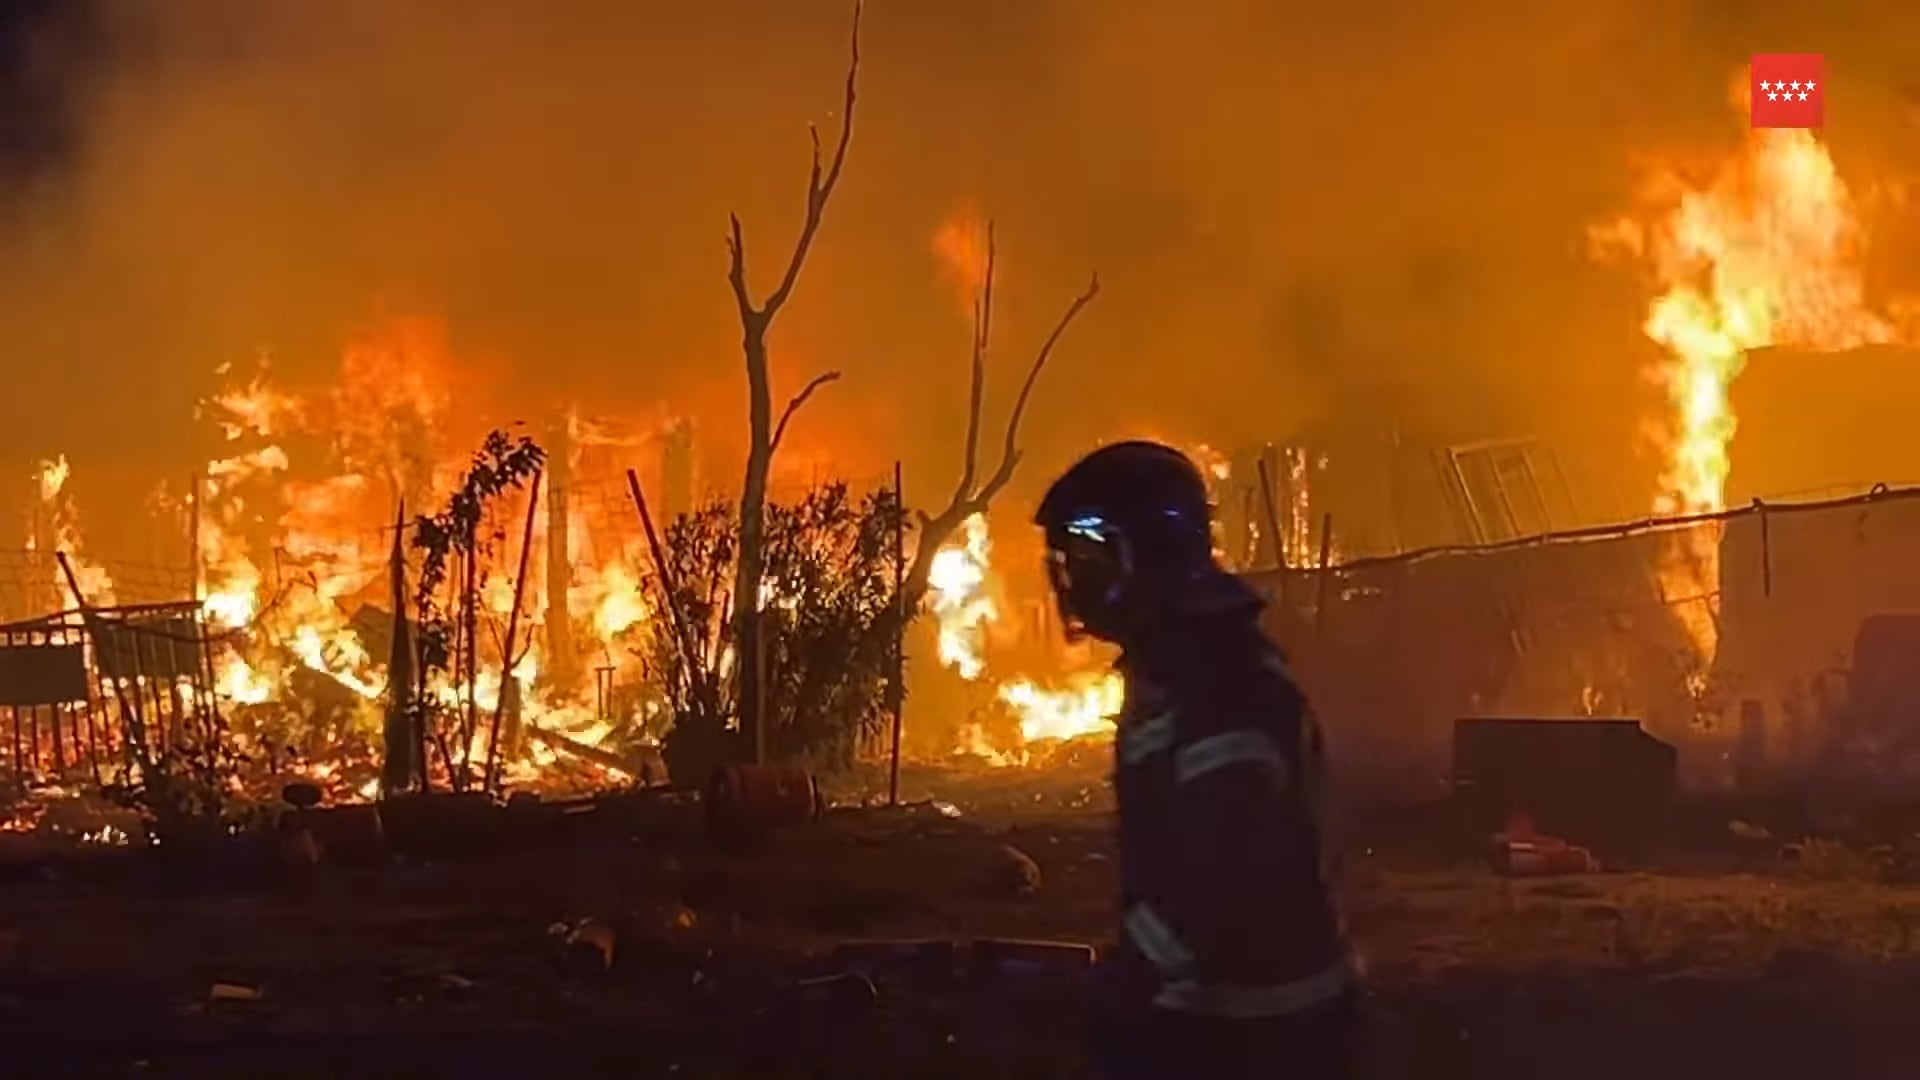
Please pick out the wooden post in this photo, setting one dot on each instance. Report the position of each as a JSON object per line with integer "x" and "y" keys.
{"x": 1271, "y": 512}
{"x": 1766, "y": 550}
{"x": 561, "y": 660}
{"x": 897, "y": 684}
{"x": 683, "y": 640}
{"x": 1326, "y": 573}
{"x": 208, "y": 676}
{"x": 507, "y": 657}
{"x": 193, "y": 537}
{"x": 167, "y": 736}
{"x": 603, "y": 692}
{"x": 37, "y": 564}
{"x": 754, "y": 708}
{"x": 96, "y": 699}
{"x": 93, "y": 736}
{"x": 93, "y": 742}
{"x": 1276, "y": 539}
{"x": 470, "y": 599}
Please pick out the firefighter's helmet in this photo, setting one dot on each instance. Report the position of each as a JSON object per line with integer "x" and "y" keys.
{"x": 1130, "y": 539}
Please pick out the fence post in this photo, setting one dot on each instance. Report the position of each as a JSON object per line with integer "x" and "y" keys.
{"x": 897, "y": 688}
{"x": 1326, "y": 556}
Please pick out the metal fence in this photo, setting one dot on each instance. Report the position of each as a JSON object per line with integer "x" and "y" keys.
{"x": 1733, "y": 636}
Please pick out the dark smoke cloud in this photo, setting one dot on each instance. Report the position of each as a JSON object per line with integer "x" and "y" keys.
{"x": 1304, "y": 213}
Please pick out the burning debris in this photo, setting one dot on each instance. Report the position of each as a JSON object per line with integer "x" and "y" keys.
{"x": 962, "y": 598}
{"x": 957, "y": 583}
{"x": 290, "y": 532}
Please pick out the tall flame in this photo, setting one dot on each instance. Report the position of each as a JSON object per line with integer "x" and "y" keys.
{"x": 1766, "y": 253}
{"x": 956, "y": 581}
{"x": 53, "y": 528}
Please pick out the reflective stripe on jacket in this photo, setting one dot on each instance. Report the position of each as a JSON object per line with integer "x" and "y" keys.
{"x": 1224, "y": 869}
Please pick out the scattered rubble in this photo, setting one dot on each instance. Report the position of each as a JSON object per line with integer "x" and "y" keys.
{"x": 1014, "y": 874}
{"x": 867, "y": 929}
{"x": 587, "y": 945}
{"x": 1541, "y": 856}
{"x": 231, "y": 991}
{"x": 841, "y": 991}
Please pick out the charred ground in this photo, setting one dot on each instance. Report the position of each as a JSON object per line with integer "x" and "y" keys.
{"x": 572, "y": 943}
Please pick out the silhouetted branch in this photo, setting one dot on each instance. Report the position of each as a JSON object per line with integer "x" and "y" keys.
{"x": 977, "y": 388}
{"x": 967, "y": 499}
{"x": 819, "y": 191}
{"x": 799, "y": 399}
{"x": 1010, "y": 450}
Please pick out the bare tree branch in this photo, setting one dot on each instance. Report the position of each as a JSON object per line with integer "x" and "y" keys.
{"x": 762, "y": 436}
{"x": 1010, "y": 450}
{"x": 968, "y": 501}
{"x": 819, "y": 191}
{"x": 737, "y": 271}
{"x": 794, "y": 405}
{"x": 977, "y": 389}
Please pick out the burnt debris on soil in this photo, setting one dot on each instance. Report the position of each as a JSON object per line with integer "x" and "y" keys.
{"x": 947, "y": 937}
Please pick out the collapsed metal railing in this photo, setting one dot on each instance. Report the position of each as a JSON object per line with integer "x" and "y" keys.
{"x": 96, "y": 691}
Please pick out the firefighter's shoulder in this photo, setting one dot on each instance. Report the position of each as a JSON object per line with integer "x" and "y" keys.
{"x": 1231, "y": 738}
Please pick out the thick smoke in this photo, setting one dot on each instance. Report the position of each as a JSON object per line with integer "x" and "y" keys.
{"x": 1303, "y": 214}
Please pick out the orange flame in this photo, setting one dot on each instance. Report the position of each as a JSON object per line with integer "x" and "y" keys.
{"x": 295, "y": 587}
{"x": 1766, "y": 253}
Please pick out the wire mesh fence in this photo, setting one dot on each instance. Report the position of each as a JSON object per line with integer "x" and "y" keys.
{"x": 1733, "y": 636}
{"x": 32, "y": 583}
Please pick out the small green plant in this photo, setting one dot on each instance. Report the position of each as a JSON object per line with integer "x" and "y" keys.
{"x": 447, "y": 632}
{"x": 829, "y": 614}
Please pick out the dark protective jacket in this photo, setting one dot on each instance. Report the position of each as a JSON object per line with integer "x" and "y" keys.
{"x": 1228, "y": 904}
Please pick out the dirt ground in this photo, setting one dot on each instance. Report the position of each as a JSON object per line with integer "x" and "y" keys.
{"x": 602, "y": 952}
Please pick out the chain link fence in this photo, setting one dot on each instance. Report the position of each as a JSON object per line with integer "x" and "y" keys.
{"x": 33, "y": 585}
{"x": 1770, "y": 643}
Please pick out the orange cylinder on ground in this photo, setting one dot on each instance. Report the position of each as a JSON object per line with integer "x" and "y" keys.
{"x": 350, "y": 835}
{"x": 747, "y": 800}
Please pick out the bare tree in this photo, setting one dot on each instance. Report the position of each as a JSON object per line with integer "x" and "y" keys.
{"x": 970, "y": 496}
{"x": 763, "y": 435}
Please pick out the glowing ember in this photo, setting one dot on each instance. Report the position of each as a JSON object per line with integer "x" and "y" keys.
{"x": 1764, "y": 254}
